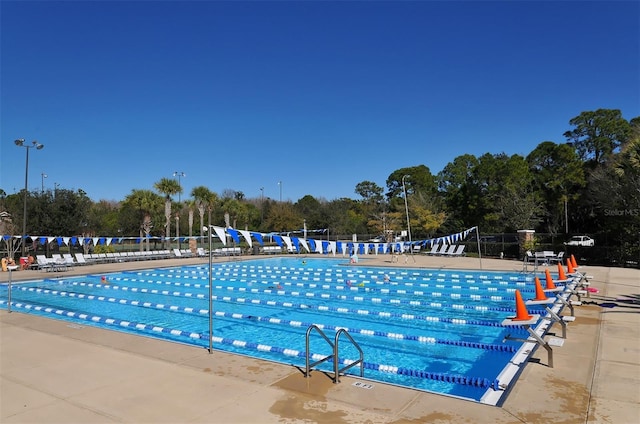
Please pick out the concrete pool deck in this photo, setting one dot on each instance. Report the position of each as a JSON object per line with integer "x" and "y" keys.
{"x": 53, "y": 371}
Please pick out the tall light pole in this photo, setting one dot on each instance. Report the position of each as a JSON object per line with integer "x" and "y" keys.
{"x": 280, "y": 185}
{"x": 179, "y": 174}
{"x": 406, "y": 207}
{"x": 43, "y": 177}
{"x": 207, "y": 229}
{"x": 566, "y": 215}
{"x": 178, "y": 230}
{"x": 38, "y": 146}
{"x": 261, "y": 205}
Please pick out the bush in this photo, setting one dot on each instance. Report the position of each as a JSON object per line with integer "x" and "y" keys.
{"x": 103, "y": 248}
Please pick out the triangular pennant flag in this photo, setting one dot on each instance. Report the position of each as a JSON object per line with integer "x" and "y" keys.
{"x": 287, "y": 241}
{"x": 303, "y": 242}
{"x": 221, "y": 234}
{"x": 247, "y": 237}
{"x": 258, "y": 237}
{"x": 296, "y": 243}
{"x": 234, "y": 234}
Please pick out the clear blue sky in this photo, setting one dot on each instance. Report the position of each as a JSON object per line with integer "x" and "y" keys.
{"x": 319, "y": 95}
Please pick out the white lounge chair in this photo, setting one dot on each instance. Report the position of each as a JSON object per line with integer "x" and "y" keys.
{"x": 446, "y": 248}
{"x": 43, "y": 262}
{"x": 81, "y": 260}
{"x": 459, "y": 251}
{"x": 449, "y": 251}
{"x": 69, "y": 259}
{"x": 434, "y": 250}
{"x": 58, "y": 263}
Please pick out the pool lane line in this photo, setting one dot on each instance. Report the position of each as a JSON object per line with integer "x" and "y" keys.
{"x": 450, "y": 293}
{"x": 322, "y": 297}
{"x": 279, "y": 292}
{"x": 471, "y": 284}
{"x": 377, "y": 270}
{"x": 270, "y": 320}
{"x": 321, "y": 308}
{"x": 480, "y": 382}
{"x": 358, "y": 272}
{"x": 260, "y": 279}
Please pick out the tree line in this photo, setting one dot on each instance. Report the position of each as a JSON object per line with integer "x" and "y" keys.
{"x": 587, "y": 184}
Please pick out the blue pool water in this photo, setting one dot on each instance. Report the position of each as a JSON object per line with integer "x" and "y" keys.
{"x": 431, "y": 330}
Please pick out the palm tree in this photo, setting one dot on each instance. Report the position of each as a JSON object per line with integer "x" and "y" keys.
{"x": 191, "y": 206}
{"x": 147, "y": 202}
{"x": 168, "y": 187}
{"x": 205, "y": 199}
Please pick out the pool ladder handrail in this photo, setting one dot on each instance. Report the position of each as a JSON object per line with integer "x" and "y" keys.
{"x": 335, "y": 355}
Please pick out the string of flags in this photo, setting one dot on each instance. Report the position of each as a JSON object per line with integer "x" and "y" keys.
{"x": 289, "y": 242}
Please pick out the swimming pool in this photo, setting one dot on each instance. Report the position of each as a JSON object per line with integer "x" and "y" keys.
{"x": 431, "y": 330}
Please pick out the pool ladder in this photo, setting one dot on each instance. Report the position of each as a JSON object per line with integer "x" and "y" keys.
{"x": 335, "y": 355}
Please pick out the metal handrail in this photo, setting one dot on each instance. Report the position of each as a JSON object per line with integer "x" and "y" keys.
{"x": 335, "y": 355}
{"x": 308, "y": 366}
{"x": 336, "y": 362}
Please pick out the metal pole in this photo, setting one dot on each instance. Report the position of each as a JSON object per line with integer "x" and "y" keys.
{"x": 566, "y": 216}
{"x": 10, "y": 268}
{"x": 210, "y": 292}
{"x": 43, "y": 177}
{"x": 280, "y": 184}
{"x": 261, "y": 205}
{"x": 478, "y": 241}
{"x": 179, "y": 174}
{"x": 178, "y": 230}
{"x": 24, "y": 210}
{"x": 406, "y": 207}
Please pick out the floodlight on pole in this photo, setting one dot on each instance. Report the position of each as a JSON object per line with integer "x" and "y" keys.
{"x": 261, "y": 205}
{"x": 20, "y": 143}
{"x": 43, "y": 177}
{"x": 207, "y": 229}
{"x": 406, "y": 207}
{"x": 179, "y": 174}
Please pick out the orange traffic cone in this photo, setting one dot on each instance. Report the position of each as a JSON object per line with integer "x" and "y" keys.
{"x": 539, "y": 292}
{"x": 547, "y": 275}
{"x": 570, "y": 269}
{"x": 561, "y": 275}
{"x": 574, "y": 262}
{"x": 521, "y": 310}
